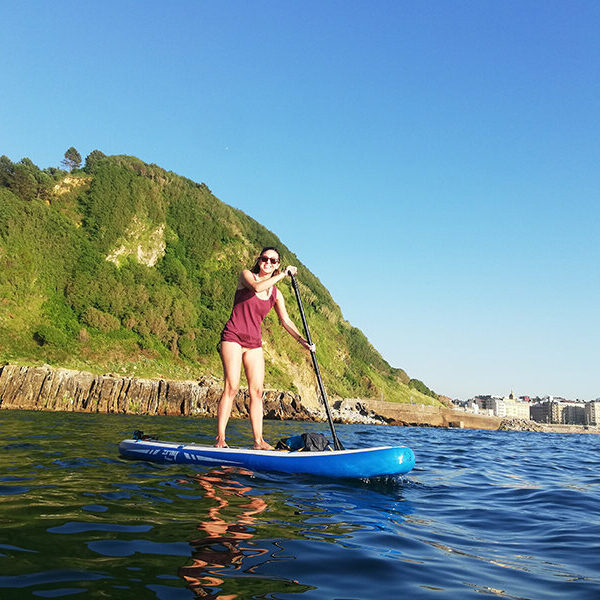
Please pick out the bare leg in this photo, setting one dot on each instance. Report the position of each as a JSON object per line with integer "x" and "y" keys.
{"x": 254, "y": 365}
{"x": 231, "y": 355}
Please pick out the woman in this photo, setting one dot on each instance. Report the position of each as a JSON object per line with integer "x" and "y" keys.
{"x": 241, "y": 341}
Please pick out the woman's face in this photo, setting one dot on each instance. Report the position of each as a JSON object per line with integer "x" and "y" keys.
{"x": 268, "y": 262}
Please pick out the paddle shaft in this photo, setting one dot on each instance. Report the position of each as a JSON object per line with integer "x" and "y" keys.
{"x": 336, "y": 442}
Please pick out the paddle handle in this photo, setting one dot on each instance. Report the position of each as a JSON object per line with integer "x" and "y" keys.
{"x": 336, "y": 442}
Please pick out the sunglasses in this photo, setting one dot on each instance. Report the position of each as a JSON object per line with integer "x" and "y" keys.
{"x": 266, "y": 259}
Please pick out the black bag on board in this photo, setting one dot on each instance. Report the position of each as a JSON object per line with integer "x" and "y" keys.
{"x": 307, "y": 442}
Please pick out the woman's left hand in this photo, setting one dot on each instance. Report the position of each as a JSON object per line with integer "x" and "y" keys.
{"x": 308, "y": 346}
{"x": 291, "y": 270}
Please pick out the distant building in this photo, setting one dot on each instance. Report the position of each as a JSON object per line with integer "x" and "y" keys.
{"x": 509, "y": 406}
{"x": 545, "y": 412}
{"x": 516, "y": 408}
{"x": 491, "y": 405}
{"x": 573, "y": 413}
{"x": 475, "y": 405}
{"x": 472, "y": 406}
{"x": 592, "y": 412}
{"x": 559, "y": 412}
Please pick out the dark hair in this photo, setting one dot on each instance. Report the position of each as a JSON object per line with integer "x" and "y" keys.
{"x": 256, "y": 268}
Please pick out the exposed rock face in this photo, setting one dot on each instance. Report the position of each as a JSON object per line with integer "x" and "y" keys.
{"x": 355, "y": 411}
{"x": 142, "y": 241}
{"x": 68, "y": 183}
{"x": 45, "y": 388}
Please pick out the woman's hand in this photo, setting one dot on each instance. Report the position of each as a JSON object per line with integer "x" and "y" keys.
{"x": 291, "y": 270}
{"x": 305, "y": 344}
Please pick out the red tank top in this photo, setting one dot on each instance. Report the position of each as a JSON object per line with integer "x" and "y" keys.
{"x": 246, "y": 318}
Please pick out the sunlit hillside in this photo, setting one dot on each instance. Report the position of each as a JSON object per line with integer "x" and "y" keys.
{"x": 124, "y": 267}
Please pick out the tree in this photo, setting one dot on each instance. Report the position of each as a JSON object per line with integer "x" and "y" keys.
{"x": 72, "y": 159}
{"x": 93, "y": 158}
{"x": 7, "y": 170}
{"x": 23, "y": 182}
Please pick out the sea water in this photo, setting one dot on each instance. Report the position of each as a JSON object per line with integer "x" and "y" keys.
{"x": 508, "y": 514}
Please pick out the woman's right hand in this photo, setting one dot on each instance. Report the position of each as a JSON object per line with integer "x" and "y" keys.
{"x": 291, "y": 270}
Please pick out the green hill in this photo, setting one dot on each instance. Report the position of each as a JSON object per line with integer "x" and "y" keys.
{"x": 125, "y": 267}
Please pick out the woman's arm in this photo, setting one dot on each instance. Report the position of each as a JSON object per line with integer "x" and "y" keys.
{"x": 248, "y": 280}
{"x": 288, "y": 324}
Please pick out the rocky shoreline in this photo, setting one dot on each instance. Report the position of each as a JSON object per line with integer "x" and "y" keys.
{"x": 57, "y": 389}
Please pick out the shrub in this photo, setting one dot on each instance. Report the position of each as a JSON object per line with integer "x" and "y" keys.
{"x": 101, "y": 320}
{"x": 187, "y": 348}
{"x": 421, "y": 387}
{"x": 48, "y": 335}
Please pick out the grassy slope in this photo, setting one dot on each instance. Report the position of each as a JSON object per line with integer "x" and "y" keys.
{"x": 63, "y": 303}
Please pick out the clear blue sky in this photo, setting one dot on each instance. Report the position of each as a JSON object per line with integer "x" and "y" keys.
{"x": 435, "y": 163}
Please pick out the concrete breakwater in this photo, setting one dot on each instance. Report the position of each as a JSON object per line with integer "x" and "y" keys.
{"x": 430, "y": 416}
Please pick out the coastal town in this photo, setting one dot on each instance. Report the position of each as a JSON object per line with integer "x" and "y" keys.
{"x": 547, "y": 410}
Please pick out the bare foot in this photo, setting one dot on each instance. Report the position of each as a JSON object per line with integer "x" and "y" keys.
{"x": 221, "y": 443}
{"x": 263, "y": 446}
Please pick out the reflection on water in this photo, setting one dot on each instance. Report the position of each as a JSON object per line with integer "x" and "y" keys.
{"x": 251, "y": 534}
{"x": 223, "y": 547}
{"x": 495, "y": 513}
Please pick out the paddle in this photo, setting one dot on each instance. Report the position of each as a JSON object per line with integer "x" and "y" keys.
{"x": 336, "y": 443}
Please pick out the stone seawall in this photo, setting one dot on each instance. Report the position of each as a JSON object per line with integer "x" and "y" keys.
{"x": 47, "y": 388}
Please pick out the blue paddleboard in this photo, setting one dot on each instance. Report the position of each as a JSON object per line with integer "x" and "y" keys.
{"x": 358, "y": 463}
